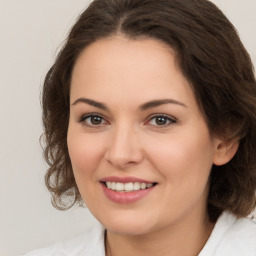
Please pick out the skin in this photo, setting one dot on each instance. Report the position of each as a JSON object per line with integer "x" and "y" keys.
{"x": 127, "y": 140}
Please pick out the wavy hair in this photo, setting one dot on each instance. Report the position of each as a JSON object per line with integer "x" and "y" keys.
{"x": 212, "y": 58}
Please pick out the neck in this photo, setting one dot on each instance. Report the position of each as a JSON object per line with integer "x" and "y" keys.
{"x": 186, "y": 238}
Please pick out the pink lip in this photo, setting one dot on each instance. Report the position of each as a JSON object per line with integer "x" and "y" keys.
{"x": 125, "y": 179}
{"x": 125, "y": 197}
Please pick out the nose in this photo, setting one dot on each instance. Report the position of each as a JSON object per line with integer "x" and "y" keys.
{"x": 124, "y": 148}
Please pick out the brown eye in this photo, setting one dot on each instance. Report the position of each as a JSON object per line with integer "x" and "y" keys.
{"x": 93, "y": 120}
{"x": 161, "y": 120}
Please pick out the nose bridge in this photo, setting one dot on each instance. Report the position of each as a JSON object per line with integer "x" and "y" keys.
{"x": 124, "y": 147}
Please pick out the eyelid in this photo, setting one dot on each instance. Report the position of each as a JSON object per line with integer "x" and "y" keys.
{"x": 170, "y": 118}
{"x": 82, "y": 119}
{"x": 85, "y": 116}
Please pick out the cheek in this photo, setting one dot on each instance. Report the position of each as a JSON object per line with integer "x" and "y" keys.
{"x": 185, "y": 165}
{"x": 84, "y": 152}
{"x": 183, "y": 159}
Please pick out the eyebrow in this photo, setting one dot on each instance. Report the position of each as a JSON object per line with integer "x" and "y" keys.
{"x": 157, "y": 103}
{"x": 90, "y": 102}
{"x": 143, "y": 107}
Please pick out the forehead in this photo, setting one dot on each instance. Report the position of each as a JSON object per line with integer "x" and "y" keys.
{"x": 124, "y": 52}
{"x": 144, "y": 66}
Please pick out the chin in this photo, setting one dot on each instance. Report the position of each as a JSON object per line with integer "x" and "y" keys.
{"x": 131, "y": 225}
{"x": 127, "y": 229}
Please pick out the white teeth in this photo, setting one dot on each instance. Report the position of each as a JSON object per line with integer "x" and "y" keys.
{"x": 109, "y": 184}
{"x": 113, "y": 185}
{"x": 127, "y": 187}
{"x": 136, "y": 186}
{"x": 143, "y": 185}
{"x": 119, "y": 186}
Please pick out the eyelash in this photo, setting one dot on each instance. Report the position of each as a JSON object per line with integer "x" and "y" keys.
{"x": 169, "y": 120}
{"x": 90, "y": 116}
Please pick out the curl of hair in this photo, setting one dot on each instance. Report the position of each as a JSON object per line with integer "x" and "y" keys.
{"x": 212, "y": 58}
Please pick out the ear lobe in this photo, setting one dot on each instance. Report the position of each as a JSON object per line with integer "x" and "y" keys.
{"x": 225, "y": 151}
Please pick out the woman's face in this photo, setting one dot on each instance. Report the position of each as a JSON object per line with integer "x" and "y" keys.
{"x": 135, "y": 127}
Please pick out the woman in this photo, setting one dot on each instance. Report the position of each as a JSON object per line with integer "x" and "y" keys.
{"x": 150, "y": 118}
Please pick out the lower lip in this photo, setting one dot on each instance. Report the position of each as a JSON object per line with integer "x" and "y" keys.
{"x": 126, "y": 197}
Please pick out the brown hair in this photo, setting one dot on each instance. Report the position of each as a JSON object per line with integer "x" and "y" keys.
{"x": 211, "y": 56}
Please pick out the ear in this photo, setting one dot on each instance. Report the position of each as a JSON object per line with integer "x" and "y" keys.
{"x": 225, "y": 151}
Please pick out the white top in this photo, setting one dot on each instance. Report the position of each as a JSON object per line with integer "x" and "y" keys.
{"x": 230, "y": 237}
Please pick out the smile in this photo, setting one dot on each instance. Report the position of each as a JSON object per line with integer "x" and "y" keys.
{"x": 124, "y": 190}
{"x": 127, "y": 187}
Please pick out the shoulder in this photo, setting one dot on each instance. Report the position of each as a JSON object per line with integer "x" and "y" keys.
{"x": 232, "y": 236}
{"x": 90, "y": 243}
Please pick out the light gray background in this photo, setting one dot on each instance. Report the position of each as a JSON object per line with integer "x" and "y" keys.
{"x": 31, "y": 32}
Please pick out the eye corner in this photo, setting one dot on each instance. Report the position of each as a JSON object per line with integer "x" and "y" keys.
{"x": 160, "y": 120}
{"x": 93, "y": 120}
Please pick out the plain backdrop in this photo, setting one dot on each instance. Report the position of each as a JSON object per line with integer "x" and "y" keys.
{"x": 31, "y": 32}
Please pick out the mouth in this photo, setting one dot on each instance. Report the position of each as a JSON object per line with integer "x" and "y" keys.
{"x": 127, "y": 187}
{"x": 125, "y": 190}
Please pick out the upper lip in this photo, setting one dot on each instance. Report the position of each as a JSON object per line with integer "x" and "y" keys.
{"x": 125, "y": 179}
